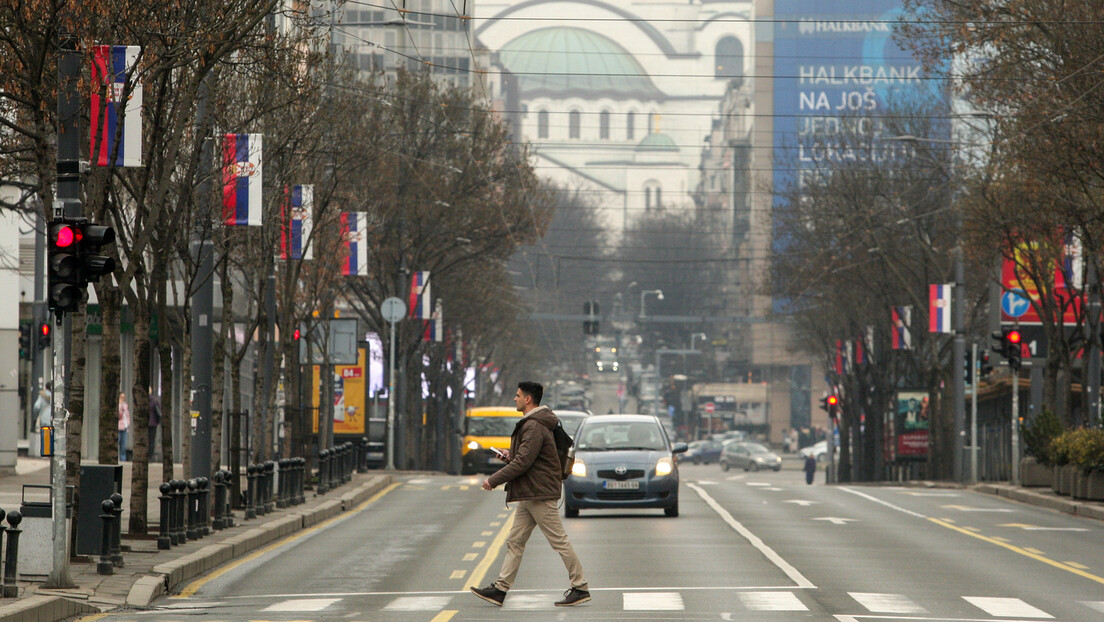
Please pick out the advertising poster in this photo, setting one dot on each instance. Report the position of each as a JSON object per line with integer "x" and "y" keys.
{"x": 912, "y": 421}
{"x": 350, "y": 391}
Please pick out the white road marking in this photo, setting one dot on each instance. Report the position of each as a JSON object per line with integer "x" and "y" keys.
{"x": 1097, "y": 605}
{"x": 754, "y": 540}
{"x": 1006, "y": 607}
{"x": 968, "y": 508}
{"x": 652, "y": 601}
{"x": 887, "y": 603}
{"x": 1037, "y": 528}
{"x": 418, "y": 603}
{"x": 528, "y": 601}
{"x": 763, "y": 484}
{"x": 772, "y": 601}
{"x": 879, "y": 501}
{"x": 802, "y": 502}
{"x": 706, "y": 482}
{"x": 302, "y": 604}
{"x": 930, "y": 494}
{"x": 835, "y": 520}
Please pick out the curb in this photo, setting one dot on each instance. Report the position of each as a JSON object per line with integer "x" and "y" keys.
{"x": 1061, "y": 504}
{"x": 165, "y": 577}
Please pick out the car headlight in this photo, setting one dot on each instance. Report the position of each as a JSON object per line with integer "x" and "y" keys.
{"x": 473, "y": 445}
{"x": 578, "y": 469}
{"x": 664, "y": 466}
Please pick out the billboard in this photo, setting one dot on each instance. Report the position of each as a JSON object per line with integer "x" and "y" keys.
{"x": 911, "y": 423}
{"x": 350, "y": 393}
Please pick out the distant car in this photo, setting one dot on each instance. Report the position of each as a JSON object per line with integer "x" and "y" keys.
{"x": 749, "y": 456}
{"x": 623, "y": 461}
{"x": 818, "y": 450}
{"x": 731, "y": 435}
{"x": 704, "y": 451}
{"x": 571, "y": 419}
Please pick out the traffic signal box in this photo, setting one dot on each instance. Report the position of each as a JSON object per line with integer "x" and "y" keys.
{"x": 43, "y": 335}
{"x": 1009, "y": 344}
{"x": 73, "y": 247}
{"x": 830, "y": 405}
{"x": 25, "y": 338}
{"x": 590, "y": 325}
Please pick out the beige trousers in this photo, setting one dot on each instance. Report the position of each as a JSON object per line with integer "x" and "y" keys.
{"x": 532, "y": 514}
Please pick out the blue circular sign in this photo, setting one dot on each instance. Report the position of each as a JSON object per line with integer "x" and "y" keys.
{"x": 1015, "y": 303}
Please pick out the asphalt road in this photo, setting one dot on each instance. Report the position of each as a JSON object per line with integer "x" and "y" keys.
{"x": 747, "y": 546}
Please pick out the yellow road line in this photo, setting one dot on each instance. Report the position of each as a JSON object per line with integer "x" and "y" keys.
{"x": 1022, "y": 551}
{"x": 458, "y": 574}
{"x": 478, "y": 544}
{"x": 93, "y": 617}
{"x": 492, "y": 552}
{"x": 444, "y": 616}
{"x": 194, "y": 586}
{"x": 470, "y": 556}
{"x": 487, "y": 533}
{"x": 1076, "y": 565}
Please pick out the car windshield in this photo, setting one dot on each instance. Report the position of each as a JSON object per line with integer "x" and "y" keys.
{"x": 571, "y": 423}
{"x": 756, "y": 448}
{"x": 612, "y": 436}
{"x": 492, "y": 426}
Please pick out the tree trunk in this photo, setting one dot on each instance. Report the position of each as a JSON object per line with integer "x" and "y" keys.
{"x": 109, "y": 364}
{"x": 168, "y": 413}
{"x": 139, "y": 425}
{"x": 74, "y": 430}
{"x": 186, "y": 408}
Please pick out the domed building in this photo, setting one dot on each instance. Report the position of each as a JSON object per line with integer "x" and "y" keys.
{"x": 616, "y": 98}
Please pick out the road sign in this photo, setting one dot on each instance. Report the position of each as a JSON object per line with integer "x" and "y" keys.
{"x": 1015, "y": 303}
{"x": 709, "y": 408}
{"x": 393, "y": 309}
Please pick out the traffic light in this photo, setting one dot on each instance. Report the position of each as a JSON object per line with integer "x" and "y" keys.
{"x": 93, "y": 264}
{"x": 985, "y": 367}
{"x": 25, "y": 341}
{"x": 65, "y": 287}
{"x": 590, "y": 325}
{"x": 43, "y": 335}
{"x": 968, "y": 368}
{"x": 1014, "y": 341}
{"x": 830, "y": 405}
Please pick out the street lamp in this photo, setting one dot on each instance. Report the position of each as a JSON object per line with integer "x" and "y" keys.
{"x": 658, "y": 294}
{"x": 701, "y": 336}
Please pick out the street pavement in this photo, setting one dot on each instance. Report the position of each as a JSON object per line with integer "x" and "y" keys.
{"x": 749, "y": 546}
{"x": 147, "y": 572}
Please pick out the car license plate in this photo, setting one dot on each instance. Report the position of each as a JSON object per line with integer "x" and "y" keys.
{"x": 616, "y": 485}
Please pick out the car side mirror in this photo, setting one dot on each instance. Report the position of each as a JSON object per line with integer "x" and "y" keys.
{"x": 679, "y": 448}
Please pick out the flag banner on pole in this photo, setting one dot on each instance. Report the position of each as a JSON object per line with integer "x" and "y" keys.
{"x": 295, "y": 234}
{"x": 241, "y": 179}
{"x": 939, "y": 308}
{"x": 421, "y": 304}
{"x": 901, "y": 336}
{"x": 354, "y": 229}
{"x": 860, "y": 352}
{"x": 841, "y": 359}
{"x": 435, "y": 327}
{"x": 111, "y": 64}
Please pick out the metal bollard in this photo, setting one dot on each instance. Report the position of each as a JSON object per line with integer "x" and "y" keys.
{"x": 259, "y": 505}
{"x": 105, "y": 566}
{"x": 220, "y": 499}
{"x": 179, "y": 489}
{"x": 204, "y": 484}
{"x": 192, "y": 533}
{"x": 362, "y": 455}
{"x": 323, "y": 463}
{"x": 164, "y": 541}
{"x": 117, "y": 537}
{"x": 281, "y": 483}
{"x": 227, "y": 513}
{"x": 2, "y": 513}
{"x": 11, "y": 577}
{"x": 251, "y": 488}
{"x": 302, "y": 480}
{"x": 269, "y": 475}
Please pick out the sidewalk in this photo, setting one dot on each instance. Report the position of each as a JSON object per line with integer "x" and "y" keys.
{"x": 1044, "y": 497}
{"x": 149, "y": 572}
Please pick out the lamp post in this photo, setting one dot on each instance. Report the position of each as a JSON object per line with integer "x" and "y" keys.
{"x": 658, "y": 294}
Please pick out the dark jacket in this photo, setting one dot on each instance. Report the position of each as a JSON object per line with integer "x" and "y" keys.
{"x": 533, "y": 472}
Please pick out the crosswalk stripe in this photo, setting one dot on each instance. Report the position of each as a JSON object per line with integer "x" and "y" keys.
{"x": 1006, "y": 607}
{"x": 528, "y": 601}
{"x": 772, "y": 601}
{"x": 1097, "y": 605}
{"x": 302, "y": 604}
{"x": 652, "y": 601}
{"x": 418, "y": 603}
{"x": 887, "y": 603}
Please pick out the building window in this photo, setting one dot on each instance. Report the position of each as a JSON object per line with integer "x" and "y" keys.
{"x": 542, "y": 124}
{"x": 653, "y": 195}
{"x": 647, "y": 198}
{"x": 603, "y": 125}
{"x": 729, "y": 58}
{"x": 653, "y": 122}
{"x": 573, "y": 120}
{"x": 630, "y": 126}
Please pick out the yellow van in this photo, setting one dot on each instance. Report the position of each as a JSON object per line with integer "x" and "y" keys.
{"x": 484, "y": 428}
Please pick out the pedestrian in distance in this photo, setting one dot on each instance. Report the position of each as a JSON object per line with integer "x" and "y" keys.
{"x": 124, "y": 426}
{"x": 43, "y": 416}
{"x": 810, "y": 468}
{"x": 532, "y": 476}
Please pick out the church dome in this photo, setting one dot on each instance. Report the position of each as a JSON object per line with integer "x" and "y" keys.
{"x": 564, "y": 62}
{"x": 657, "y": 142}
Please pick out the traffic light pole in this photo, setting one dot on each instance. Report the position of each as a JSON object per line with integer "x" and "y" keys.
{"x": 202, "y": 310}
{"x": 973, "y": 414}
{"x": 1015, "y": 427}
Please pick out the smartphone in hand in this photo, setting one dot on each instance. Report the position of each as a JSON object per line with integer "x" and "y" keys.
{"x": 498, "y": 452}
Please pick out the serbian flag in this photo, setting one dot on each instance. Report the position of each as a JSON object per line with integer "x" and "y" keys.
{"x": 901, "y": 335}
{"x": 841, "y": 358}
{"x": 435, "y": 327}
{"x": 939, "y": 308}
{"x": 241, "y": 179}
{"x": 295, "y": 233}
{"x": 421, "y": 305}
{"x": 354, "y": 226}
{"x": 116, "y": 125}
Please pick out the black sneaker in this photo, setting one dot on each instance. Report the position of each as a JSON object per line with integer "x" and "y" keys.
{"x": 574, "y": 596}
{"x": 493, "y": 595}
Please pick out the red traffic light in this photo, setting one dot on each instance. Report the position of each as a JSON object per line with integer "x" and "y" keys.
{"x": 295, "y": 334}
{"x": 66, "y": 236}
{"x": 832, "y": 400}
{"x": 1014, "y": 337}
{"x": 44, "y": 329}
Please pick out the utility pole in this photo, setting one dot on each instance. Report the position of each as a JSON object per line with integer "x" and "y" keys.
{"x": 202, "y": 307}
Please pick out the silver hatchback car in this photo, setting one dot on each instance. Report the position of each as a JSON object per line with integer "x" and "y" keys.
{"x": 749, "y": 456}
{"x": 623, "y": 461}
